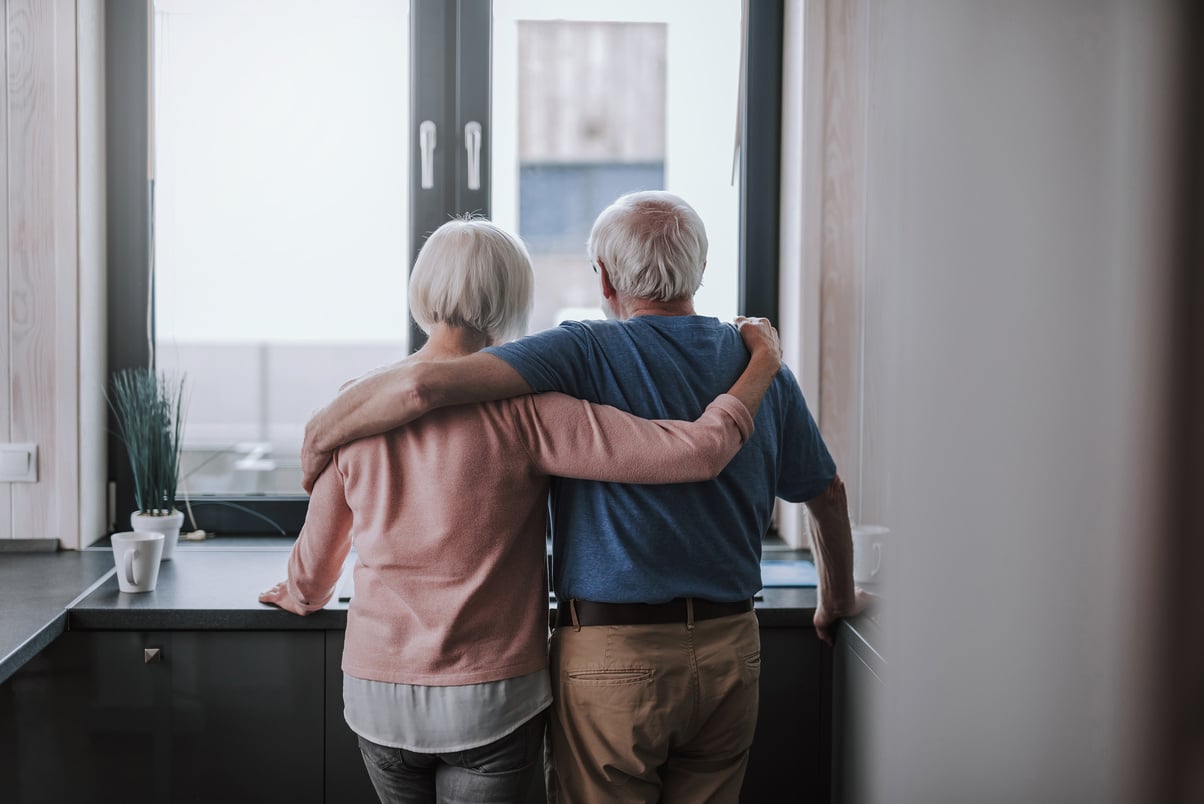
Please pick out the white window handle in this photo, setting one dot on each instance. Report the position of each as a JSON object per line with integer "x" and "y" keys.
{"x": 472, "y": 144}
{"x": 426, "y": 146}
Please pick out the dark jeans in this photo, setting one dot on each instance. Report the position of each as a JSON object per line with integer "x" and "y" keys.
{"x": 502, "y": 772}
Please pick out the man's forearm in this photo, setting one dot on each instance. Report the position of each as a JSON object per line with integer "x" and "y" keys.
{"x": 375, "y": 403}
{"x": 383, "y": 400}
{"x": 832, "y": 549}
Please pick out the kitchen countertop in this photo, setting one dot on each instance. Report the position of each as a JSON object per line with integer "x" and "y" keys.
{"x": 36, "y": 590}
{"x": 204, "y": 588}
{"x": 210, "y": 585}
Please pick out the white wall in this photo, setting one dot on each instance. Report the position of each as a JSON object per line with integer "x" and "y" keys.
{"x": 1013, "y": 285}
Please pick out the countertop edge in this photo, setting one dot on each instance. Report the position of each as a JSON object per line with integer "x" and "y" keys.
{"x": 107, "y": 618}
{"x": 20, "y": 656}
{"x": 46, "y": 634}
{"x": 266, "y": 619}
{"x": 189, "y": 601}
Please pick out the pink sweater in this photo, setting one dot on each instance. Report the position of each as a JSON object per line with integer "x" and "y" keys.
{"x": 448, "y": 517}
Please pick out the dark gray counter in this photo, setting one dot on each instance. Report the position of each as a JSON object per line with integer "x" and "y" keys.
{"x": 217, "y": 588}
{"x": 36, "y": 589}
{"x": 208, "y": 586}
{"x": 203, "y": 588}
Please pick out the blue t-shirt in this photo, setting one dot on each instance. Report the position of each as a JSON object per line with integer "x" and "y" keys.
{"x": 624, "y": 543}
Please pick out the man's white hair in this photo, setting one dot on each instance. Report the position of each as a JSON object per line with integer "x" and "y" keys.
{"x": 653, "y": 244}
{"x": 473, "y": 273}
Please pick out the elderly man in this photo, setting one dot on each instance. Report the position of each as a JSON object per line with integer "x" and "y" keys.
{"x": 655, "y": 657}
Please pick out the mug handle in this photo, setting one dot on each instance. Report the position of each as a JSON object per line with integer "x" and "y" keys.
{"x": 877, "y": 558}
{"x": 129, "y": 566}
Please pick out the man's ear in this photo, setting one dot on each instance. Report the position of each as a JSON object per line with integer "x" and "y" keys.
{"x": 608, "y": 290}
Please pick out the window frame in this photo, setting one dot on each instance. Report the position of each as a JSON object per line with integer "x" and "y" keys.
{"x": 761, "y": 159}
{"x": 449, "y": 98}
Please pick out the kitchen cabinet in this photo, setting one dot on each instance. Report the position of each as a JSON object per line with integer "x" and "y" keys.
{"x": 245, "y": 702}
{"x": 788, "y": 761}
{"x": 346, "y": 779}
{"x": 857, "y": 685}
{"x": 214, "y": 716}
{"x": 789, "y": 753}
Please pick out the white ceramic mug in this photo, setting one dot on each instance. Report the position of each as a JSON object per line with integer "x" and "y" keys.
{"x": 137, "y": 555}
{"x": 868, "y": 541}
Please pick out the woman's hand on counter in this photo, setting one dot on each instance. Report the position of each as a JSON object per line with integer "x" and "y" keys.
{"x": 825, "y": 621}
{"x": 278, "y": 596}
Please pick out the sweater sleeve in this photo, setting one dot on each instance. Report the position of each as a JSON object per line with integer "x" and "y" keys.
{"x": 316, "y": 561}
{"x": 568, "y": 437}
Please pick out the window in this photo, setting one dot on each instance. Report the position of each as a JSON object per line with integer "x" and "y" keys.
{"x": 280, "y": 179}
{"x": 592, "y": 101}
{"x": 289, "y": 192}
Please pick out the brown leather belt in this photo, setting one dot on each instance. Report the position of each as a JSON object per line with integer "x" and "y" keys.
{"x": 674, "y": 611}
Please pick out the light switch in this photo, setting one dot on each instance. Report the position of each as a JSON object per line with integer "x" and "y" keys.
{"x": 18, "y": 463}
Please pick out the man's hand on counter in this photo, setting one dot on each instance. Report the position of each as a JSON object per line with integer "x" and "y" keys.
{"x": 826, "y": 621}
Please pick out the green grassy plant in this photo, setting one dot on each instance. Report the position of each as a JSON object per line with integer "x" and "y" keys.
{"x": 149, "y": 406}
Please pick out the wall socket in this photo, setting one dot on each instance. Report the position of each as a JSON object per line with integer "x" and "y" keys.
{"x": 18, "y": 463}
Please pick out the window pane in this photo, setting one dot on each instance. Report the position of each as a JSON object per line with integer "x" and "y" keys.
{"x": 595, "y": 100}
{"x": 281, "y": 161}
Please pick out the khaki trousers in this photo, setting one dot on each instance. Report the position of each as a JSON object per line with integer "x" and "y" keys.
{"x": 654, "y": 713}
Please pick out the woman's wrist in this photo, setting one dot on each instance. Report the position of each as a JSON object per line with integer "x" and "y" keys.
{"x": 765, "y": 361}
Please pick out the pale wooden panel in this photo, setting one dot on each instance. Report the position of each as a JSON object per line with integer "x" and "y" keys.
{"x": 880, "y": 346}
{"x": 65, "y": 492}
{"x": 843, "y": 237}
{"x": 802, "y": 215}
{"x": 810, "y": 223}
{"x": 591, "y": 91}
{"x": 31, "y": 246}
{"x": 42, "y": 254}
{"x": 6, "y": 494}
{"x": 791, "y": 319}
{"x": 92, "y": 353}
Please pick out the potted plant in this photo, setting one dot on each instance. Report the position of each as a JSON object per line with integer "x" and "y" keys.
{"x": 149, "y": 406}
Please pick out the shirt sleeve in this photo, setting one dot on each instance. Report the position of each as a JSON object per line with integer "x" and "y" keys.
{"x": 552, "y": 360}
{"x": 316, "y": 561}
{"x": 805, "y": 466}
{"x": 568, "y": 437}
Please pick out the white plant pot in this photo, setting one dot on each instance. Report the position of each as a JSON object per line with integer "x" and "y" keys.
{"x": 168, "y": 525}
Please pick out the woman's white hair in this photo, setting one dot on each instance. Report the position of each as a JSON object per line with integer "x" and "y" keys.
{"x": 473, "y": 273}
{"x": 653, "y": 244}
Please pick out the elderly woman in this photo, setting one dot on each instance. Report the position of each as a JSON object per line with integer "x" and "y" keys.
{"x": 445, "y": 659}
